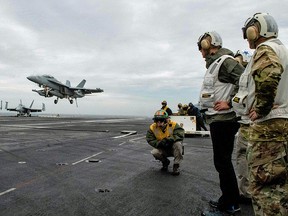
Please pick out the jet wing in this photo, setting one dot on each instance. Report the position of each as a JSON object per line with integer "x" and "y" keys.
{"x": 11, "y": 109}
{"x": 35, "y": 110}
{"x": 88, "y": 91}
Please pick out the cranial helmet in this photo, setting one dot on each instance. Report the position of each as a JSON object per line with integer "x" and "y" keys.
{"x": 160, "y": 115}
{"x": 204, "y": 43}
{"x": 268, "y": 27}
{"x": 246, "y": 55}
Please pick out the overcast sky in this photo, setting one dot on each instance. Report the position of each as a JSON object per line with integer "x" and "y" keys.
{"x": 139, "y": 51}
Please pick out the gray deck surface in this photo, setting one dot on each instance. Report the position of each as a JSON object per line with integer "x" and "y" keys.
{"x": 85, "y": 166}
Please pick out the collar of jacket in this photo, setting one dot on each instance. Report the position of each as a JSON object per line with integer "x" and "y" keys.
{"x": 211, "y": 58}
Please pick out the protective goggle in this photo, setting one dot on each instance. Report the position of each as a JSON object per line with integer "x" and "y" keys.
{"x": 249, "y": 22}
{"x": 200, "y": 39}
{"x": 159, "y": 120}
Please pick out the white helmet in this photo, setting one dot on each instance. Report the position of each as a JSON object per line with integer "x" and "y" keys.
{"x": 246, "y": 55}
{"x": 268, "y": 26}
{"x": 216, "y": 40}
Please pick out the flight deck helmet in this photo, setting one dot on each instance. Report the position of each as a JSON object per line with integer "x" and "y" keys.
{"x": 246, "y": 56}
{"x": 268, "y": 27}
{"x": 204, "y": 43}
{"x": 160, "y": 115}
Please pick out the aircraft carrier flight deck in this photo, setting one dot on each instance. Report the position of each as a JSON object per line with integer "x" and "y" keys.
{"x": 99, "y": 166}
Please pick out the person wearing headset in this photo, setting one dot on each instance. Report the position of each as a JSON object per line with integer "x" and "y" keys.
{"x": 243, "y": 57}
{"x": 219, "y": 86}
{"x": 262, "y": 101}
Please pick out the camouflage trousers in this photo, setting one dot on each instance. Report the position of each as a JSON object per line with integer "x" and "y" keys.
{"x": 241, "y": 160}
{"x": 267, "y": 161}
{"x": 175, "y": 151}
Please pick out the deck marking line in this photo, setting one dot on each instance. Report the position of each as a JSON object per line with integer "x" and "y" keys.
{"x": 86, "y": 158}
{"x": 7, "y": 191}
{"x": 127, "y": 133}
{"x": 138, "y": 138}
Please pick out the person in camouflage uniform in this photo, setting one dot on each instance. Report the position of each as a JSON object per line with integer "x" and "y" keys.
{"x": 243, "y": 57}
{"x": 263, "y": 99}
{"x": 166, "y": 137}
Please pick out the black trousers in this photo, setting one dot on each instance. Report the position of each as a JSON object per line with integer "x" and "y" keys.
{"x": 222, "y": 135}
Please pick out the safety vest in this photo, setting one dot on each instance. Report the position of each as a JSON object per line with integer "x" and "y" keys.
{"x": 159, "y": 134}
{"x": 243, "y": 105}
{"x": 165, "y": 108}
{"x": 213, "y": 90}
{"x": 243, "y": 100}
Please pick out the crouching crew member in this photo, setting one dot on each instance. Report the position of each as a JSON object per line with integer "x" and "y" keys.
{"x": 166, "y": 137}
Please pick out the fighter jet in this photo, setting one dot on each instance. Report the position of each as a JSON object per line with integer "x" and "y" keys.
{"x": 53, "y": 87}
{"x": 22, "y": 110}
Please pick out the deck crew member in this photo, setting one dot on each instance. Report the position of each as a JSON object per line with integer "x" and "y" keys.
{"x": 166, "y": 137}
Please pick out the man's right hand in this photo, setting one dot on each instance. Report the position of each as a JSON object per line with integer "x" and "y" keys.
{"x": 164, "y": 144}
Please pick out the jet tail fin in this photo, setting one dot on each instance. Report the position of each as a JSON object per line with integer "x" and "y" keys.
{"x": 81, "y": 84}
{"x": 31, "y": 104}
{"x": 68, "y": 83}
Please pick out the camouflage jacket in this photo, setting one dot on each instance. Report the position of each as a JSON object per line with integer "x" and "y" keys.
{"x": 266, "y": 72}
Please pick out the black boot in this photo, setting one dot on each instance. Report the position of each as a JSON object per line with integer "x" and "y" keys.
{"x": 176, "y": 170}
{"x": 165, "y": 164}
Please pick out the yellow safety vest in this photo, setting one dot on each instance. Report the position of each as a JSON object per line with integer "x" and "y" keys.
{"x": 159, "y": 134}
{"x": 165, "y": 108}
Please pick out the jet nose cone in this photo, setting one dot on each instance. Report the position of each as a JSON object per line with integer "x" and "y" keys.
{"x": 29, "y": 77}
{"x": 32, "y": 78}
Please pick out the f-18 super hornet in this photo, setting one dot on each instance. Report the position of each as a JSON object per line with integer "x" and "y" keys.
{"x": 23, "y": 110}
{"x": 53, "y": 87}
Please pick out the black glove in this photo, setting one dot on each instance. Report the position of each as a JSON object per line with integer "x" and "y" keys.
{"x": 162, "y": 143}
{"x": 170, "y": 140}
{"x": 165, "y": 143}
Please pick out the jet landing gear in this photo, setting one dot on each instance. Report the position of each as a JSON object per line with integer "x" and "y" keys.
{"x": 70, "y": 100}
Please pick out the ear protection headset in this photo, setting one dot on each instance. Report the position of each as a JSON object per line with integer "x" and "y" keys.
{"x": 252, "y": 33}
{"x": 205, "y": 43}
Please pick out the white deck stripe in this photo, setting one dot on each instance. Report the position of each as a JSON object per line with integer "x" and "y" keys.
{"x": 86, "y": 158}
{"x": 7, "y": 191}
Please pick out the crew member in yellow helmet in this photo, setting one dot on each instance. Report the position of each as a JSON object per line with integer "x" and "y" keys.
{"x": 166, "y": 137}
